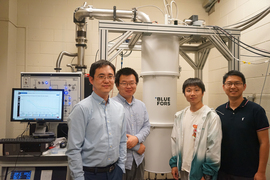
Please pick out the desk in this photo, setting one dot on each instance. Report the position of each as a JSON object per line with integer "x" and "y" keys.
{"x": 55, "y": 166}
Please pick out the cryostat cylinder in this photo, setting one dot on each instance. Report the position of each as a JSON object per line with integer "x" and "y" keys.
{"x": 160, "y": 70}
{"x": 160, "y": 55}
{"x": 159, "y": 96}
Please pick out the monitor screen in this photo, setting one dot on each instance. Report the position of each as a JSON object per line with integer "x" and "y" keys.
{"x": 37, "y": 105}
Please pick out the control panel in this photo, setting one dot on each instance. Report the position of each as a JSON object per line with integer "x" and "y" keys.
{"x": 72, "y": 83}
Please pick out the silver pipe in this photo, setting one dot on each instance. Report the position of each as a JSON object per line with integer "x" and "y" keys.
{"x": 107, "y": 14}
{"x": 80, "y": 62}
{"x": 101, "y": 14}
{"x": 72, "y": 69}
{"x": 143, "y": 17}
{"x": 59, "y": 59}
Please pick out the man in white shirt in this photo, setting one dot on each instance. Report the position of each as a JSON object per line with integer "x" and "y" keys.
{"x": 196, "y": 137}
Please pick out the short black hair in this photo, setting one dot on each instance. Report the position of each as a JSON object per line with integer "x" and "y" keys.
{"x": 126, "y": 72}
{"x": 234, "y": 73}
{"x": 99, "y": 64}
{"x": 193, "y": 82}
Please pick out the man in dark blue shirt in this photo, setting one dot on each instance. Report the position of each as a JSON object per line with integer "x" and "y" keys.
{"x": 245, "y": 143}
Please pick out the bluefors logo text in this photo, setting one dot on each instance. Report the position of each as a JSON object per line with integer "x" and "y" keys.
{"x": 163, "y": 101}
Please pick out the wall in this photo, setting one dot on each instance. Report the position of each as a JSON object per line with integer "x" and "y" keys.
{"x": 3, "y": 70}
{"x": 229, "y": 12}
{"x": 34, "y": 32}
{"x": 8, "y": 62}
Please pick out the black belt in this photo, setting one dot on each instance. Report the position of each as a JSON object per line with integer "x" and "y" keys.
{"x": 109, "y": 168}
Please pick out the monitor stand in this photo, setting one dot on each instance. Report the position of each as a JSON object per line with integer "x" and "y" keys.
{"x": 40, "y": 131}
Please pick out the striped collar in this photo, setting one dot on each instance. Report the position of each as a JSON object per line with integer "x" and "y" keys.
{"x": 243, "y": 104}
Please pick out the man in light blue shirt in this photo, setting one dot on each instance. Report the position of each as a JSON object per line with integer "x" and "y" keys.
{"x": 97, "y": 130}
{"x": 138, "y": 126}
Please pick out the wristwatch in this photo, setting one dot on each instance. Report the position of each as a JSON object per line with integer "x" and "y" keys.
{"x": 207, "y": 177}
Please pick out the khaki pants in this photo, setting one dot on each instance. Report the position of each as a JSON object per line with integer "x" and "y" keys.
{"x": 136, "y": 173}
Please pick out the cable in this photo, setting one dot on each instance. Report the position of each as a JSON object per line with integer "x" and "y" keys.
{"x": 243, "y": 47}
{"x": 250, "y": 56}
{"x": 264, "y": 81}
{"x": 253, "y": 17}
{"x": 6, "y": 173}
{"x": 117, "y": 37}
{"x": 240, "y": 44}
{"x": 63, "y": 131}
{"x": 15, "y": 166}
{"x": 122, "y": 60}
{"x": 96, "y": 55}
{"x": 208, "y": 9}
{"x": 173, "y": 2}
{"x": 248, "y": 46}
{"x": 249, "y": 22}
{"x": 72, "y": 60}
{"x": 255, "y": 21}
{"x": 165, "y": 6}
{"x": 241, "y": 41}
{"x": 24, "y": 130}
{"x": 126, "y": 55}
{"x": 115, "y": 66}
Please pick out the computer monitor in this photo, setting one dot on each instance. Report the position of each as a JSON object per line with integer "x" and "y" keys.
{"x": 37, "y": 105}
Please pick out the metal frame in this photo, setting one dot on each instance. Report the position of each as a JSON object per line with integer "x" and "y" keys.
{"x": 186, "y": 35}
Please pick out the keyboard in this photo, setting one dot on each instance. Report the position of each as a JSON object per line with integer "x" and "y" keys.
{"x": 25, "y": 140}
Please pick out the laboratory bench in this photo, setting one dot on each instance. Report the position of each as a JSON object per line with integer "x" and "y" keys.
{"x": 34, "y": 167}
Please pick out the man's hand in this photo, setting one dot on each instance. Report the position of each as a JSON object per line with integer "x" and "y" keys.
{"x": 175, "y": 173}
{"x": 142, "y": 149}
{"x": 132, "y": 141}
{"x": 260, "y": 176}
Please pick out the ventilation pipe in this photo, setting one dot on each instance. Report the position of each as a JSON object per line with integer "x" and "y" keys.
{"x": 80, "y": 15}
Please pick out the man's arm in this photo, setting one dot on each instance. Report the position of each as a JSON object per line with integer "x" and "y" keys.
{"x": 175, "y": 173}
{"x": 173, "y": 160}
{"x": 212, "y": 163}
{"x": 123, "y": 146}
{"x": 145, "y": 130}
{"x": 141, "y": 149}
{"x": 76, "y": 134}
{"x": 264, "y": 153}
{"x": 134, "y": 142}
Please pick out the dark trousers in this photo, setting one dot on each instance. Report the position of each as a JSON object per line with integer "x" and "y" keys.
{"x": 225, "y": 176}
{"x": 136, "y": 173}
{"x": 116, "y": 174}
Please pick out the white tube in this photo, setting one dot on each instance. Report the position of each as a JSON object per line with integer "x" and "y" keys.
{"x": 160, "y": 70}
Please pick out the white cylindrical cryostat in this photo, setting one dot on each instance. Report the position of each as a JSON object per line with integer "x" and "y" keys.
{"x": 160, "y": 70}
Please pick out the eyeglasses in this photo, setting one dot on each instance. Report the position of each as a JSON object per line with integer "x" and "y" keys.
{"x": 103, "y": 77}
{"x": 229, "y": 84}
{"x": 126, "y": 84}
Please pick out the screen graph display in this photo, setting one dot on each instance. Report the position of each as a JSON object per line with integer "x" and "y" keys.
{"x": 37, "y": 104}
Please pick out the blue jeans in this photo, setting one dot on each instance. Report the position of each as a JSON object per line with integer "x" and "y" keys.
{"x": 116, "y": 174}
